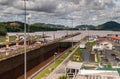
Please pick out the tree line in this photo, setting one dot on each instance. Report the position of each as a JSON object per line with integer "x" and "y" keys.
{"x": 19, "y": 27}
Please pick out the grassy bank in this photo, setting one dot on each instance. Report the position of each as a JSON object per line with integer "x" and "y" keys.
{"x": 3, "y": 38}
{"x": 50, "y": 68}
{"x": 77, "y": 56}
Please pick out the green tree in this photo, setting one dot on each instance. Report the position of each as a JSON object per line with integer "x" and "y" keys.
{"x": 63, "y": 77}
{"x": 3, "y": 31}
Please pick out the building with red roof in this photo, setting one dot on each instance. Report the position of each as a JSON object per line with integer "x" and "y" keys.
{"x": 114, "y": 38}
{"x": 104, "y": 39}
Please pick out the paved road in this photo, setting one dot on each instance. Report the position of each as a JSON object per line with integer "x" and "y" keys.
{"x": 110, "y": 58}
{"x": 86, "y": 56}
{"x": 117, "y": 48}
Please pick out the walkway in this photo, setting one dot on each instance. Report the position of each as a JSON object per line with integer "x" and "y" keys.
{"x": 60, "y": 70}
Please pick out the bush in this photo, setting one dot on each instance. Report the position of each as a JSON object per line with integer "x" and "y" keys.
{"x": 109, "y": 65}
{"x": 3, "y": 32}
{"x": 76, "y": 56}
{"x": 63, "y": 77}
{"x": 91, "y": 43}
{"x": 71, "y": 50}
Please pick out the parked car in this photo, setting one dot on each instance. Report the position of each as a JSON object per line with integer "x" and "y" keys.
{"x": 117, "y": 59}
{"x": 113, "y": 55}
{"x": 113, "y": 48}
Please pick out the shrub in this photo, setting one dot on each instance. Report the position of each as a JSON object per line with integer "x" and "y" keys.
{"x": 63, "y": 77}
{"x": 3, "y": 32}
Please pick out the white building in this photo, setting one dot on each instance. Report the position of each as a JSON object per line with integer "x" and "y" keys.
{"x": 97, "y": 74}
{"x": 103, "y": 43}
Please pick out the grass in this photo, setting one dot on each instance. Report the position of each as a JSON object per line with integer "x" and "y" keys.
{"x": 77, "y": 56}
{"x": 71, "y": 49}
{"x": 91, "y": 43}
{"x": 35, "y": 37}
{"x": 49, "y": 69}
{"x": 3, "y": 38}
{"x": 20, "y": 50}
{"x": 97, "y": 58}
{"x": 13, "y": 38}
{"x": 63, "y": 77}
{"x": 118, "y": 53}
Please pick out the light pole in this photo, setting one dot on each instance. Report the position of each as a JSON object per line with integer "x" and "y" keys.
{"x": 17, "y": 42}
{"x": 54, "y": 36}
{"x": 66, "y": 29}
{"x": 6, "y": 53}
{"x": 28, "y": 22}
{"x": 72, "y": 31}
{"x": 25, "y": 49}
{"x": 55, "y": 58}
{"x": 44, "y": 35}
{"x": 72, "y": 24}
{"x": 7, "y": 41}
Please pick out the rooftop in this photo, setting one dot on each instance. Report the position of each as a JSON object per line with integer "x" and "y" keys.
{"x": 115, "y": 37}
{"x": 74, "y": 65}
{"x": 104, "y": 39}
{"x": 98, "y": 72}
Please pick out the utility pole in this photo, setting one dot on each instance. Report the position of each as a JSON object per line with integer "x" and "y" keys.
{"x": 25, "y": 49}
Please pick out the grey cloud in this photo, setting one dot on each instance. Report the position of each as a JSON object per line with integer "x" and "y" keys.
{"x": 6, "y": 2}
{"x": 96, "y": 5}
{"x": 80, "y": 10}
{"x": 38, "y": 5}
{"x": 44, "y": 8}
{"x": 74, "y": 1}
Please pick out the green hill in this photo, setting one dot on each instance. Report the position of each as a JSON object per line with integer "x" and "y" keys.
{"x": 17, "y": 26}
{"x": 91, "y": 27}
{"x": 111, "y": 25}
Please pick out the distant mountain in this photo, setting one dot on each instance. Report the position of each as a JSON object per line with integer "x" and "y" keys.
{"x": 46, "y": 27}
{"x": 111, "y": 25}
{"x": 12, "y": 26}
{"x": 16, "y": 26}
{"x": 54, "y": 25}
{"x": 91, "y": 27}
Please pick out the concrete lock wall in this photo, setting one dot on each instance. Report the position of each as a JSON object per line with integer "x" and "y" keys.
{"x": 14, "y": 67}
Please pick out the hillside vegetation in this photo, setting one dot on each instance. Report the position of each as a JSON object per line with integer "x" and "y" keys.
{"x": 17, "y": 26}
{"x": 111, "y": 25}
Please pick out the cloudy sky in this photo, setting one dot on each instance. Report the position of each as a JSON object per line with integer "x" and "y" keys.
{"x": 61, "y": 11}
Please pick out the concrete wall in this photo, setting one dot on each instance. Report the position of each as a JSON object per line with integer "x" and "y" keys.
{"x": 13, "y": 67}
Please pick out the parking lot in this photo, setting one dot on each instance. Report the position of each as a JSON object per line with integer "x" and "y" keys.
{"x": 113, "y": 56}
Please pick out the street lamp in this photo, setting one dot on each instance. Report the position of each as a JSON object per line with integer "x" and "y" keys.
{"x": 54, "y": 36}
{"x": 54, "y": 58}
{"x": 6, "y": 53}
{"x": 25, "y": 49}
{"x": 72, "y": 24}
{"x": 28, "y": 22}
{"x": 72, "y": 32}
{"x": 7, "y": 41}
